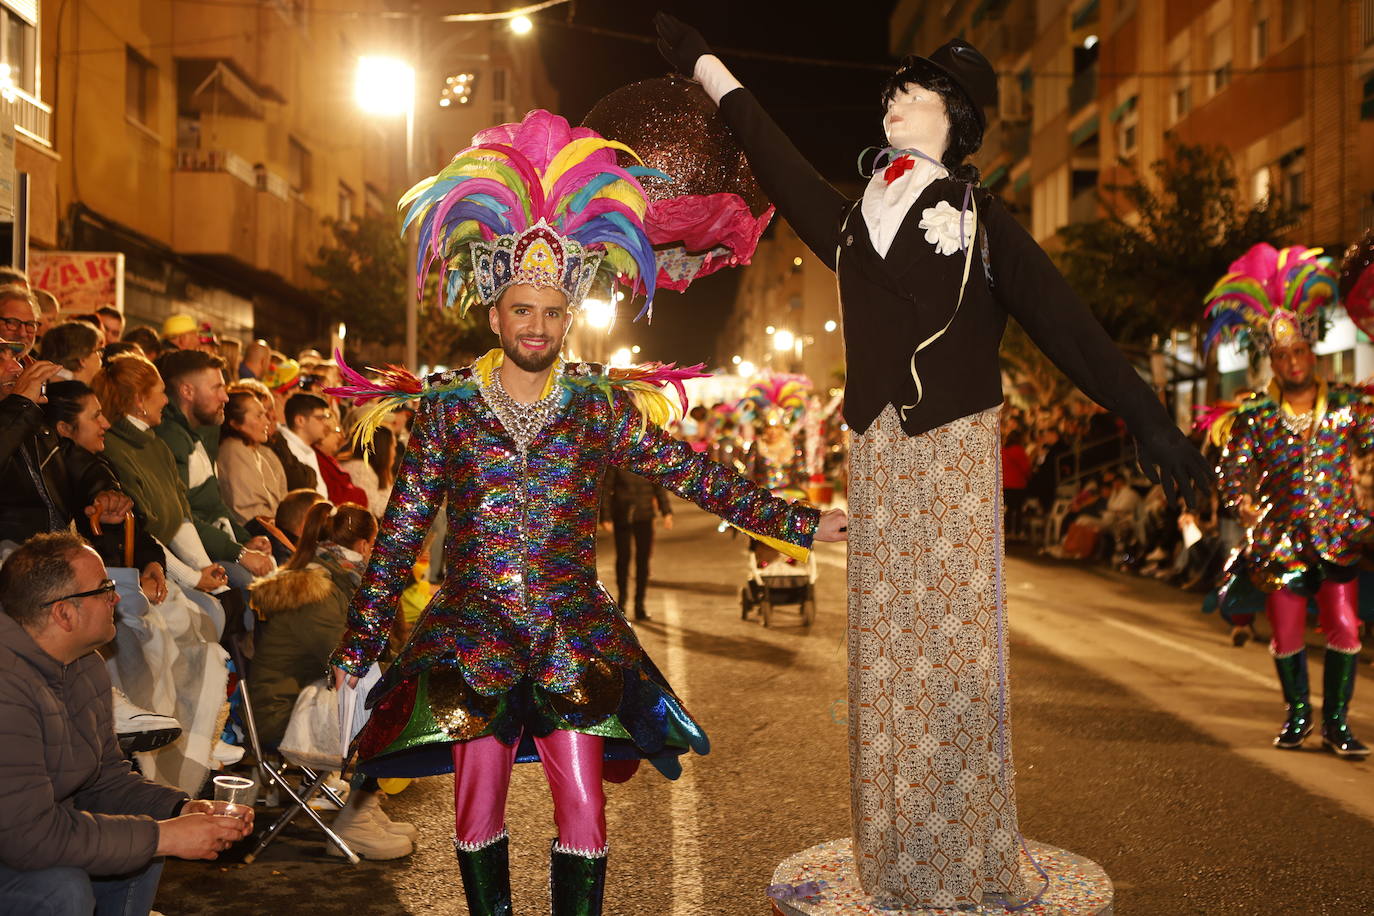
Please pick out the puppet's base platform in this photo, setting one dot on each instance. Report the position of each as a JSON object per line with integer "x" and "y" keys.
{"x": 1077, "y": 887}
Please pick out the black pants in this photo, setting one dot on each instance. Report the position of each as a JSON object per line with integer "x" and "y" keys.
{"x": 642, "y": 534}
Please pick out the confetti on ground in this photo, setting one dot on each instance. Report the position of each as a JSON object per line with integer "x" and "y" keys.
{"x": 1078, "y": 886}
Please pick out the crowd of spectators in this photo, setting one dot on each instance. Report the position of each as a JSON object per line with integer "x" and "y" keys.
{"x": 1073, "y": 491}
{"x": 195, "y": 469}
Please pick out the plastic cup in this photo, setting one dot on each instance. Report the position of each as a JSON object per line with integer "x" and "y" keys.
{"x": 234, "y": 796}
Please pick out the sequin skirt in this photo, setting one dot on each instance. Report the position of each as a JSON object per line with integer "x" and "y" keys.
{"x": 415, "y": 721}
{"x": 933, "y": 801}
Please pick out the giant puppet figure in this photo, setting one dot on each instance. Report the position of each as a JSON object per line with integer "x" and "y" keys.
{"x": 521, "y": 654}
{"x": 929, "y": 268}
{"x": 1287, "y": 471}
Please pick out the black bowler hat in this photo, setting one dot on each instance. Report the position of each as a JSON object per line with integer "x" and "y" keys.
{"x": 971, "y": 72}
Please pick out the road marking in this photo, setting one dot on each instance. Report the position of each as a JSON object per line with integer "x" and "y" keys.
{"x": 689, "y": 898}
{"x": 1186, "y": 649}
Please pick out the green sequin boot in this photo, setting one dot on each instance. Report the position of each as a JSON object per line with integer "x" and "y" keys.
{"x": 1293, "y": 679}
{"x": 577, "y": 881}
{"x": 486, "y": 876}
{"x": 1338, "y": 685}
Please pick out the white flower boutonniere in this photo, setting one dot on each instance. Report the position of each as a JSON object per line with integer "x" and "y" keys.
{"x": 941, "y": 223}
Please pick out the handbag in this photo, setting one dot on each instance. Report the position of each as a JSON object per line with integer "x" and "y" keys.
{"x": 312, "y": 736}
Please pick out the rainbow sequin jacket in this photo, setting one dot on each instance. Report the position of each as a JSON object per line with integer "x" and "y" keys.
{"x": 1305, "y": 485}
{"x": 520, "y": 596}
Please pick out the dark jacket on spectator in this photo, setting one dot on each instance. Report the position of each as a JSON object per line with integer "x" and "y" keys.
{"x": 207, "y": 505}
{"x": 305, "y": 613}
{"x": 87, "y": 475}
{"x": 31, "y": 500}
{"x": 627, "y": 497}
{"x": 299, "y": 475}
{"x": 68, "y": 797}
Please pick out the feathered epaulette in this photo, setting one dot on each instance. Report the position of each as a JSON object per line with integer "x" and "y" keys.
{"x": 396, "y": 385}
{"x": 644, "y": 385}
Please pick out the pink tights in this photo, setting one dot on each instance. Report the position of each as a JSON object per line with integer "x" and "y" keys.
{"x": 1336, "y": 606}
{"x": 572, "y": 765}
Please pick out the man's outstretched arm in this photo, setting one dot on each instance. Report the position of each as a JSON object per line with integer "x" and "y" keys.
{"x": 652, "y": 453}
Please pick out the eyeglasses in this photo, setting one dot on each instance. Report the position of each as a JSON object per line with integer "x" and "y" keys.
{"x": 106, "y": 588}
{"x": 15, "y": 324}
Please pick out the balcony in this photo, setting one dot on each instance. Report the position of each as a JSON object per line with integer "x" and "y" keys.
{"x": 1083, "y": 89}
{"x": 1083, "y": 207}
{"x": 235, "y": 213}
{"x": 32, "y": 118}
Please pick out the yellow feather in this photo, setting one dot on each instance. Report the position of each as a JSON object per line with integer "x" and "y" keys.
{"x": 372, "y": 417}
{"x": 624, "y": 192}
{"x": 577, "y": 151}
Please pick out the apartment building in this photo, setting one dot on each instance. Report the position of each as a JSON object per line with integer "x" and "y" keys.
{"x": 213, "y": 143}
{"x": 1287, "y": 86}
{"x": 786, "y": 314}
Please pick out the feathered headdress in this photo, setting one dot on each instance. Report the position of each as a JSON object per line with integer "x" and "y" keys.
{"x": 1272, "y": 298}
{"x": 536, "y": 202}
{"x": 777, "y": 395}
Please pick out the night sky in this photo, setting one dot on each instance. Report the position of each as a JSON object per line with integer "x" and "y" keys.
{"x": 830, "y": 112}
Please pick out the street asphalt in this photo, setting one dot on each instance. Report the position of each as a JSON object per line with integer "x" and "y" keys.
{"x": 1141, "y": 739}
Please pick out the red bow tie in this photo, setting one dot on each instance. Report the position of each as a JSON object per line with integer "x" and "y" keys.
{"x": 899, "y": 166}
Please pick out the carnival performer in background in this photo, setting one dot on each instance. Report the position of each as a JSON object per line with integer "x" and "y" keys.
{"x": 924, "y": 302}
{"x": 521, "y": 654}
{"x": 1287, "y": 471}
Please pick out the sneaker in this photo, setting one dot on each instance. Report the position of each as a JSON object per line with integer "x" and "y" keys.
{"x": 366, "y": 837}
{"x": 139, "y": 729}
{"x": 226, "y": 754}
{"x": 371, "y": 806}
{"x": 321, "y": 802}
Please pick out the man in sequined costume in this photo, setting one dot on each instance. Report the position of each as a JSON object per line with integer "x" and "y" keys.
{"x": 521, "y": 654}
{"x": 1287, "y": 472}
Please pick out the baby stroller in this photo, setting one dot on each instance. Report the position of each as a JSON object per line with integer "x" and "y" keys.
{"x": 778, "y": 580}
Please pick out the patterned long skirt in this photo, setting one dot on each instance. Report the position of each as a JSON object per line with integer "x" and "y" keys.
{"x": 933, "y": 800}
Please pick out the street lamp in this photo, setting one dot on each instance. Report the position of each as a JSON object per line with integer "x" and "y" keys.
{"x": 621, "y": 358}
{"x": 385, "y": 86}
{"x": 521, "y": 25}
{"x": 747, "y": 369}
{"x": 598, "y": 313}
{"x": 783, "y": 340}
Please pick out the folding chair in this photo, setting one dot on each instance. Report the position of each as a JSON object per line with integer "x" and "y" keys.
{"x": 299, "y": 798}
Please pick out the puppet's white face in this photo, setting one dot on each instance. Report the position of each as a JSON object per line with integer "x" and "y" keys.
{"x": 916, "y": 119}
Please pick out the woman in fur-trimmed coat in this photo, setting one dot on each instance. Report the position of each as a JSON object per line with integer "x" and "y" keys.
{"x": 304, "y": 611}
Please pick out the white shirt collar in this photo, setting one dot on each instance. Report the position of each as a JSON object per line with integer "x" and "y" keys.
{"x": 138, "y": 424}
{"x": 886, "y": 203}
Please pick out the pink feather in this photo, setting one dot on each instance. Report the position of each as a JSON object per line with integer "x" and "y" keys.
{"x": 1260, "y": 263}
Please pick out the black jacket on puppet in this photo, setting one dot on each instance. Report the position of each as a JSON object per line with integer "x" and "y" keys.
{"x": 891, "y": 304}
{"x": 31, "y": 500}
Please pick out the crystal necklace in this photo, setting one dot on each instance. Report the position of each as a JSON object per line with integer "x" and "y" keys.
{"x": 1299, "y": 424}
{"x": 522, "y": 421}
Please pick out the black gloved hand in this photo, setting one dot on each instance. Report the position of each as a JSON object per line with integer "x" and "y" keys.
{"x": 1169, "y": 459}
{"x": 679, "y": 43}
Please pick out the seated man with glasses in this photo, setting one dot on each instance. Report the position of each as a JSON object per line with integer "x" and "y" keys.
{"x": 79, "y": 831}
{"x": 19, "y": 317}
